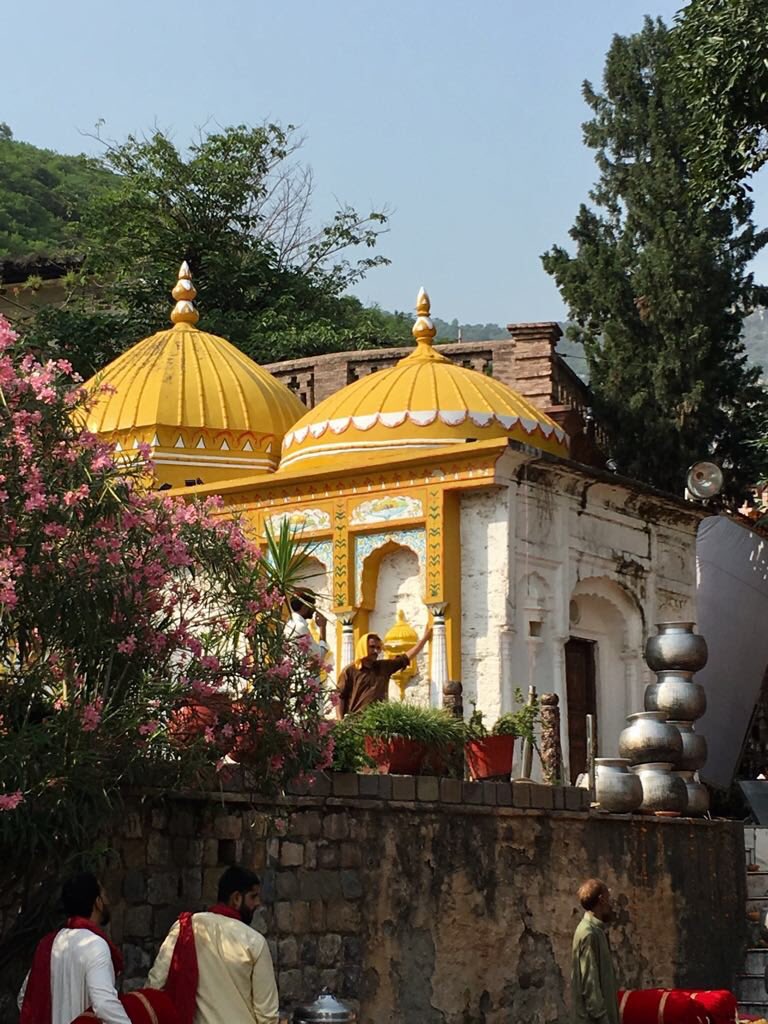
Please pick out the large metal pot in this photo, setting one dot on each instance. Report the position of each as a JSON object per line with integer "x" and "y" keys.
{"x": 617, "y": 789}
{"x": 650, "y": 738}
{"x": 677, "y": 695}
{"x": 662, "y": 790}
{"x": 676, "y": 646}
{"x": 698, "y": 794}
{"x": 326, "y": 1009}
{"x": 694, "y": 747}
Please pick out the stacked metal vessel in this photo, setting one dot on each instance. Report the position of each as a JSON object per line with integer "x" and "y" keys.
{"x": 660, "y": 752}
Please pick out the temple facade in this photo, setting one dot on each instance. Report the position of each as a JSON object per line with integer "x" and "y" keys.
{"x": 433, "y": 490}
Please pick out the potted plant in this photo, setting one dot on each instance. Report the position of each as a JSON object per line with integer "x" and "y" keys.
{"x": 490, "y": 755}
{"x": 404, "y": 738}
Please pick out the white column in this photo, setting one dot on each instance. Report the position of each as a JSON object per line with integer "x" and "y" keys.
{"x": 347, "y": 640}
{"x": 438, "y": 675}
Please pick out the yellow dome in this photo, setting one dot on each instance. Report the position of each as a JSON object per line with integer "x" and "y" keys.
{"x": 424, "y": 401}
{"x": 207, "y": 411}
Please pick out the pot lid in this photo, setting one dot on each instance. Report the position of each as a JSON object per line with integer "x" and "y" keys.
{"x": 326, "y": 1008}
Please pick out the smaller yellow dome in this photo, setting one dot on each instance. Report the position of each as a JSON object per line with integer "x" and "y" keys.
{"x": 206, "y": 410}
{"x": 402, "y": 636}
{"x": 424, "y": 401}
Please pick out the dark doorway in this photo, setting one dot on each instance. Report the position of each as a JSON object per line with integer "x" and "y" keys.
{"x": 582, "y": 700}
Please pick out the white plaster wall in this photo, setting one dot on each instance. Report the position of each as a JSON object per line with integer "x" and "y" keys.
{"x": 527, "y": 550}
{"x": 317, "y": 578}
{"x": 400, "y": 586}
{"x": 485, "y": 637}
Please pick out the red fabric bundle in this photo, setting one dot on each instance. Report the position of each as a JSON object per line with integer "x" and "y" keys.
{"x": 661, "y": 1006}
{"x": 720, "y": 1004}
{"x": 144, "y": 1006}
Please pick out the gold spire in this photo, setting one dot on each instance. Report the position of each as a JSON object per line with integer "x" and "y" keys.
{"x": 184, "y": 311}
{"x": 423, "y": 330}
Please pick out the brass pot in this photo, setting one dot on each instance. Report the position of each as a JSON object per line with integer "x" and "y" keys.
{"x": 676, "y": 646}
{"x": 649, "y": 738}
{"x": 677, "y": 695}
{"x": 617, "y": 789}
{"x": 694, "y": 747}
{"x": 698, "y": 794}
{"x": 662, "y": 789}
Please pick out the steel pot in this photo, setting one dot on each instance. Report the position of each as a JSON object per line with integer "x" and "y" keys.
{"x": 662, "y": 789}
{"x": 617, "y": 789}
{"x": 650, "y": 738}
{"x": 326, "y": 1009}
{"x": 677, "y": 695}
{"x": 698, "y": 794}
{"x": 676, "y": 646}
{"x": 694, "y": 747}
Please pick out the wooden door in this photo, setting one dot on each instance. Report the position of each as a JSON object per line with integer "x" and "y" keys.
{"x": 582, "y": 700}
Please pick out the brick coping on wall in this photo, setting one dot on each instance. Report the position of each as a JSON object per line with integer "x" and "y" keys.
{"x": 428, "y": 793}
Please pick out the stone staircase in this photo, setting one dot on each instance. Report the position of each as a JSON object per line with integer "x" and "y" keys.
{"x": 751, "y": 987}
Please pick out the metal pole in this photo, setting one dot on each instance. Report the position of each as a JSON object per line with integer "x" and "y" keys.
{"x": 591, "y": 756}
{"x": 527, "y": 745}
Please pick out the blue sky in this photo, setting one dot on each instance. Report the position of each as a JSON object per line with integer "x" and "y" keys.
{"x": 463, "y": 117}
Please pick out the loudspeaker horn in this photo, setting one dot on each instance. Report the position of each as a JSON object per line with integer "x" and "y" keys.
{"x": 704, "y": 480}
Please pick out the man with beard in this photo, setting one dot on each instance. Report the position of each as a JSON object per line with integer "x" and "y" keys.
{"x": 214, "y": 966}
{"x": 75, "y": 967}
{"x": 593, "y": 982}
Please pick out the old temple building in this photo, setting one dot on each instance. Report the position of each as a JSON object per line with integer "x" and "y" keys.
{"x": 431, "y": 489}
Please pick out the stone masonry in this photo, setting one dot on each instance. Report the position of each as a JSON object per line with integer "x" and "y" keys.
{"x": 432, "y": 900}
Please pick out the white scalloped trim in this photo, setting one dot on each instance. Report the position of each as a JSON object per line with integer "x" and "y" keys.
{"x": 420, "y": 418}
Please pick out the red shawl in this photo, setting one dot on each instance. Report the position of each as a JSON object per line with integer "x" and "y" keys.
{"x": 36, "y": 1008}
{"x": 183, "y": 974}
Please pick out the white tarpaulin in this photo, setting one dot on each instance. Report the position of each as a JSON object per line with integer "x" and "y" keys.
{"x": 732, "y": 615}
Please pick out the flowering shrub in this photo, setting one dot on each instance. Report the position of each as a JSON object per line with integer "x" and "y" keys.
{"x": 140, "y": 639}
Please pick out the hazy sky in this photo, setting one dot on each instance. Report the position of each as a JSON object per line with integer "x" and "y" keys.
{"x": 463, "y": 117}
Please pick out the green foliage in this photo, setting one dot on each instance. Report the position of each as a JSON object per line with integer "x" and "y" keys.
{"x": 286, "y": 560}
{"x": 349, "y": 746}
{"x": 658, "y": 287}
{"x": 236, "y": 206}
{"x": 523, "y": 722}
{"x": 434, "y": 727}
{"x": 720, "y": 61}
{"x": 42, "y": 194}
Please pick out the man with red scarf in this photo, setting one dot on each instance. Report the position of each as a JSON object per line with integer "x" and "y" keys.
{"x": 75, "y": 967}
{"x": 214, "y": 966}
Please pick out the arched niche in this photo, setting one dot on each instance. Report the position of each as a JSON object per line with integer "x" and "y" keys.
{"x": 603, "y": 666}
{"x": 370, "y": 549}
{"x": 399, "y": 586}
{"x": 316, "y": 576}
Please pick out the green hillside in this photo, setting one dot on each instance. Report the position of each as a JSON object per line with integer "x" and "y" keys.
{"x": 41, "y": 194}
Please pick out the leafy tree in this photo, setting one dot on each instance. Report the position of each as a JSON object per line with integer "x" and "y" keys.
{"x": 237, "y": 208}
{"x": 720, "y": 61}
{"x": 41, "y": 197}
{"x": 658, "y": 286}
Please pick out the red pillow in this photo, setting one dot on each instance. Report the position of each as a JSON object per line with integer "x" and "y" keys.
{"x": 660, "y": 1005}
{"x": 720, "y": 1004}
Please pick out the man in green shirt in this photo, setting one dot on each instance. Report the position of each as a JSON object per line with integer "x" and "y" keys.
{"x": 593, "y": 983}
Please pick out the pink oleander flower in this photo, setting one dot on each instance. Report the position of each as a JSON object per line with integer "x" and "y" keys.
{"x": 127, "y": 646}
{"x": 10, "y": 801}
{"x": 90, "y": 715}
{"x": 148, "y": 728}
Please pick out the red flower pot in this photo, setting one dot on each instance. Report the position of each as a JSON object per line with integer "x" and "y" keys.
{"x": 188, "y": 722}
{"x": 397, "y": 756}
{"x": 490, "y": 756}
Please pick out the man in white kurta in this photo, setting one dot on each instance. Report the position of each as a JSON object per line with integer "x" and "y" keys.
{"x": 82, "y": 973}
{"x": 236, "y": 980}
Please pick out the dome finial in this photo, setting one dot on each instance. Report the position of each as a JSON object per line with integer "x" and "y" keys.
{"x": 423, "y": 330}
{"x": 184, "y": 311}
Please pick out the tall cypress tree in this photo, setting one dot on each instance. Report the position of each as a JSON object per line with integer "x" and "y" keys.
{"x": 658, "y": 286}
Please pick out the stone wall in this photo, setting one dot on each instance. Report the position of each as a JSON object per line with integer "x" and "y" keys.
{"x": 435, "y": 900}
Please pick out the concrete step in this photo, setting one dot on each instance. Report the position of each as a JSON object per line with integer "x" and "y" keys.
{"x": 756, "y": 960}
{"x": 750, "y": 988}
{"x": 757, "y": 883}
